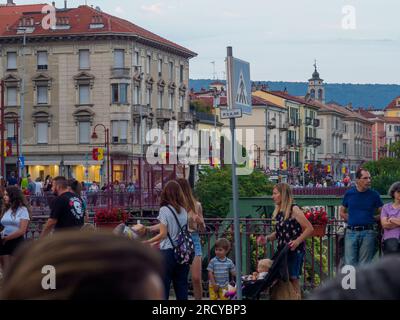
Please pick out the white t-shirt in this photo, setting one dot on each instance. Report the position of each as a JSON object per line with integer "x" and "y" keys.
{"x": 11, "y": 222}
{"x": 38, "y": 188}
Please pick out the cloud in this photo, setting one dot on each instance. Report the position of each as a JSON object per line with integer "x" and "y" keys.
{"x": 154, "y": 8}
{"x": 119, "y": 10}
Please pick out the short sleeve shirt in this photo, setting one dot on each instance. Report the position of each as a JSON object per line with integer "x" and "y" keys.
{"x": 11, "y": 222}
{"x": 361, "y": 206}
{"x": 69, "y": 211}
{"x": 389, "y": 212}
{"x": 166, "y": 218}
{"x": 221, "y": 268}
{"x": 288, "y": 230}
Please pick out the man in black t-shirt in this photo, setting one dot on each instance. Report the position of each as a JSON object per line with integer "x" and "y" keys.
{"x": 66, "y": 210}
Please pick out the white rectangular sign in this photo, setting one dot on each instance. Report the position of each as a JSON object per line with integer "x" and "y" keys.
{"x": 231, "y": 113}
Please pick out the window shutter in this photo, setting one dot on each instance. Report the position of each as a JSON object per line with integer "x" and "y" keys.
{"x": 42, "y": 95}
{"x": 84, "y": 59}
{"x": 115, "y": 131}
{"x": 84, "y": 94}
{"x": 119, "y": 56}
{"x": 123, "y": 131}
{"x": 10, "y": 130}
{"x": 42, "y": 60}
{"x": 11, "y": 96}
{"x": 11, "y": 60}
{"x": 84, "y": 132}
{"x": 42, "y": 132}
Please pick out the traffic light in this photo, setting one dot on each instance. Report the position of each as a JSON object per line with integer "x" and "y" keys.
{"x": 95, "y": 154}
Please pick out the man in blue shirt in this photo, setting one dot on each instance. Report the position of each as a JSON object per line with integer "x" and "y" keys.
{"x": 359, "y": 208}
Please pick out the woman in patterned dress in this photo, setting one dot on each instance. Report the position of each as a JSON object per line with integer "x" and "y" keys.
{"x": 292, "y": 228}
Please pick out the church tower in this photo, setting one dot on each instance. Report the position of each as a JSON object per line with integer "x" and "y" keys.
{"x": 316, "y": 86}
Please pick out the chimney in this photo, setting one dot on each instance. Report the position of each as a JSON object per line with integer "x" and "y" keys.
{"x": 350, "y": 106}
{"x": 53, "y": 4}
{"x": 10, "y": 3}
{"x": 65, "y": 4}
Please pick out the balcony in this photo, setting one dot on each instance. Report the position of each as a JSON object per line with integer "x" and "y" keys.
{"x": 293, "y": 122}
{"x": 309, "y": 121}
{"x": 310, "y": 141}
{"x": 284, "y": 127}
{"x": 316, "y": 123}
{"x": 292, "y": 143}
{"x": 120, "y": 72}
{"x": 271, "y": 149}
{"x": 204, "y": 117}
{"x": 272, "y": 124}
{"x": 139, "y": 110}
{"x": 185, "y": 117}
{"x": 164, "y": 114}
{"x": 317, "y": 142}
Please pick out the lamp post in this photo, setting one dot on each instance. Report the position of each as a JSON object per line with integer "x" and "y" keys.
{"x": 107, "y": 143}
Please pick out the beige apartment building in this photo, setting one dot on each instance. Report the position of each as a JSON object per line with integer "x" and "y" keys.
{"x": 90, "y": 68}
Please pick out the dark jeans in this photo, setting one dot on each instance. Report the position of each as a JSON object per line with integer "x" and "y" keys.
{"x": 391, "y": 246}
{"x": 177, "y": 273}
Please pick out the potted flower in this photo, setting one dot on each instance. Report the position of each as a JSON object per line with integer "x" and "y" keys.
{"x": 319, "y": 219}
{"x": 110, "y": 218}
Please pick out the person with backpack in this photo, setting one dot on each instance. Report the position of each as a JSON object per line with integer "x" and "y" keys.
{"x": 175, "y": 242}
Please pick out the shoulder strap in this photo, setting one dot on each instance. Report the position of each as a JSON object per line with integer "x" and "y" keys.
{"x": 177, "y": 221}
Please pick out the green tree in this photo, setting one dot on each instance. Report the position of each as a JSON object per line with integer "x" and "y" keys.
{"x": 395, "y": 148}
{"x": 384, "y": 173}
{"x": 214, "y": 189}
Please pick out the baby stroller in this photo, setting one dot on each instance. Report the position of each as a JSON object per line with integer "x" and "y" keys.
{"x": 279, "y": 271}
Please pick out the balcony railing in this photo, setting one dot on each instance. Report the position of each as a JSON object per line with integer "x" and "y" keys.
{"x": 316, "y": 123}
{"x": 317, "y": 142}
{"x": 185, "y": 117}
{"x": 206, "y": 117}
{"x": 284, "y": 127}
{"x": 164, "y": 114}
{"x": 120, "y": 72}
{"x": 309, "y": 141}
{"x": 293, "y": 122}
{"x": 141, "y": 110}
{"x": 309, "y": 121}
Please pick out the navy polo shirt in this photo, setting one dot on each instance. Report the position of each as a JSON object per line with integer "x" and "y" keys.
{"x": 361, "y": 206}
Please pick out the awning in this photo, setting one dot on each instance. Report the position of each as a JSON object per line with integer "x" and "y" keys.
{"x": 42, "y": 163}
{"x": 82, "y": 163}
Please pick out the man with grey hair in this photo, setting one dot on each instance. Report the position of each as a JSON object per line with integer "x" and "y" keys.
{"x": 358, "y": 209}
{"x": 390, "y": 220}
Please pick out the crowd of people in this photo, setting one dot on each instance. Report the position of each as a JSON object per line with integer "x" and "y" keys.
{"x": 125, "y": 269}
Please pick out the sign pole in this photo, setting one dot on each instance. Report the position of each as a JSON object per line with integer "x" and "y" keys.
{"x": 238, "y": 257}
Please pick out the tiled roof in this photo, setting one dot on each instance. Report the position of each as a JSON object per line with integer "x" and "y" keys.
{"x": 79, "y": 19}
{"x": 287, "y": 96}
{"x": 349, "y": 112}
{"x": 392, "y": 104}
{"x": 391, "y": 119}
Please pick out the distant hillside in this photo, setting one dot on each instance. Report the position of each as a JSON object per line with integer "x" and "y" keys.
{"x": 377, "y": 96}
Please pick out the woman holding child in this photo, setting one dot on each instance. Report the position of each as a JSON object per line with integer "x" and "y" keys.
{"x": 292, "y": 228}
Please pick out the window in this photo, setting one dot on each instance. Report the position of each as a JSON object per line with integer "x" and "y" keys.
{"x": 390, "y": 128}
{"x": 119, "y": 93}
{"x": 42, "y": 60}
{"x": 10, "y": 131}
{"x": 84, "y": 94}
{"x": 160, "y": 100}
{"x": 181, "y": 102}
{"x": 170, "y": 101}
{"x": 42, "y": 132}
{"x": 120, "y": 131}
{"x": 11, "y": 60}
{"x": 136, "y": 94}
{"x": 181, "y": 73}
{"x": 42, "y": 96}
{"x": 136, "y": 58}
{"x": 84, "y": 62}
{"x": 119, "y": 58}
{"x": 171, "y": 70}
{"x": 84, "y": 132}
{"x": 11, "y": 96}
{"x": 148, "y": 96}
{"x": 148, "y": 63}
{"x": 160, "y": 67}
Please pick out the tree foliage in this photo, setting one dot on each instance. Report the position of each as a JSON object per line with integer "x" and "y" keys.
{"x": 384, "y": 173}
{"x": 214, "y": 189}
{"x": 395, "y": 148}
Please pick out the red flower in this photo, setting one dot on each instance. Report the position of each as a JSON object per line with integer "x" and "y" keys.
{"x": 317, "y": 216}
{"x": 113, "y": 215}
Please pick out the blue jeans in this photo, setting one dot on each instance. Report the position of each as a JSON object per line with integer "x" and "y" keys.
{"x": 360, "y": 247}
{"x": 295, "y": 264}
{"x": 197, "y": 244}
{"x": 177, "y": 273}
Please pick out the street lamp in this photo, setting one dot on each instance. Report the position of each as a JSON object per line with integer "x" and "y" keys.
{"x": 107, "y": 143}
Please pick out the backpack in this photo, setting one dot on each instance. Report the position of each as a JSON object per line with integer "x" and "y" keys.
{"x": 184, "y": 250}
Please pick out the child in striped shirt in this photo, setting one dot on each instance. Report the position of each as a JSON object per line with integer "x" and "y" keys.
{"x": 219, "y": 270}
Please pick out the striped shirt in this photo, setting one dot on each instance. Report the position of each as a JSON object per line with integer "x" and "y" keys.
{"x": 221, "y": 268}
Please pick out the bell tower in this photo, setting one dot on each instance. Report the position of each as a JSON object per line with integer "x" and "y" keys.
{"x": 316, "y": 86}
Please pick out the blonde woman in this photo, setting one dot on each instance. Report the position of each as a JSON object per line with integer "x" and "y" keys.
{"x": 196, "y": 225}
{"x": 292, "y": 228}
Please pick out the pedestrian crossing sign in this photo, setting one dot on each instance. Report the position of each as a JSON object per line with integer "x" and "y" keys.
{"x": 241, "y": 86}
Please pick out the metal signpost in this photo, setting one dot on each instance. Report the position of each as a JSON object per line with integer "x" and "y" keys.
{"x": 239, "y": 101}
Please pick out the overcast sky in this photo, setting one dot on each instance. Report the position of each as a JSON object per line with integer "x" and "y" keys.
{"x": 280, "y": 39}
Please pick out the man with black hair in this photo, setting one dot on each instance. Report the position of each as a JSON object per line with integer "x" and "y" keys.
{"x": 359, "y": 206}
{"x": 67, "y": 210}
